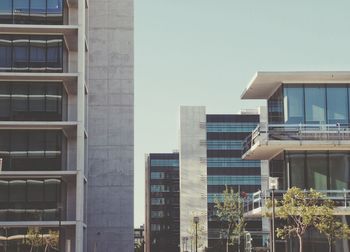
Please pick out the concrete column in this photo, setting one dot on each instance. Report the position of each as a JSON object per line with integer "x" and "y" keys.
{"x": 193, "y": 173}
{"x": 79, "y": 245}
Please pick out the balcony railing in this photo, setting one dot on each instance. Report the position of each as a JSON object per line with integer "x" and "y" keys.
{"x": 341, "y": 198}
{"x": 297, "y": 132}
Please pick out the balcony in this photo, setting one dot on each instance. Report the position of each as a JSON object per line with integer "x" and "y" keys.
{"x": 267, "y": 141}
{"x": 254, "y": 206}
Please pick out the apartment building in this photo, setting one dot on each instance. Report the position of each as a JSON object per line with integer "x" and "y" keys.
{"x": 162, "y": 231}
{"x": 48, "y": 66}
{"x": 304, "y": 140}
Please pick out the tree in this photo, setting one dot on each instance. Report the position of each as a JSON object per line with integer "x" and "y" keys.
{"x": 33, "y": 238}
{"x": 302, "y": 210}
{"x": 332, "y": 229}
{"x": 200, "y": 230}
{"x": 229, "y": 210}
{"x": 51, "y": 240}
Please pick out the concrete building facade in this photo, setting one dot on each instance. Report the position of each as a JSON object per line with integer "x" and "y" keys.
{"x": 51, "y": 57}
{"x": 303, "y": 140}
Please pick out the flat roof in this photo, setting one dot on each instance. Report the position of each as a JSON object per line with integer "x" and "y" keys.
{"x": 264, "y": 84}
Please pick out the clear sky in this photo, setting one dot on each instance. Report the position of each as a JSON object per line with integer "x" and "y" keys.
{"x": 204, "y": 52}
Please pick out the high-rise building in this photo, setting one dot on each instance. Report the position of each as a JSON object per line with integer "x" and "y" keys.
{"x": 210, "y": 160}
{"x": 62, "y": 62}
{"x": 303, "y": 139}
{"x": 162, "y": 230}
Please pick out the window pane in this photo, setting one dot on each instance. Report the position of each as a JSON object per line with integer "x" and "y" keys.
{"x": 4, "y": 101}
{"x": 337, "y": 104}
{"x": 315, "y": 104}
{"x": 53, "y": 99}
{"x": 17, "y": 191}
{"x": 20, "y": 53}
{"x": 293, "y": 105}
{"x": 6, "y": 53}
{"x": 19, "y": 99}
{"x": 21, "y": 11}
{"x": 54, "y": 55}
{"x": 37, "y": 142}
{"x": 35, "y": 190}
{"x": 297, "y": 169}
{"x": 6, "y": 11}
{"x": 38, "y": 11}
{"x": 37, "y": 98}
{"x": 339, "y": 170}
{"x": 317, "y": 170}
{"x": 38, "y": 54}
{"x": 54, "y": 11}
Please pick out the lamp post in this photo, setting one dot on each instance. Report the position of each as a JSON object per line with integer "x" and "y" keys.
{"x": 273, "y": 185}
{"x": 196, "y": 221}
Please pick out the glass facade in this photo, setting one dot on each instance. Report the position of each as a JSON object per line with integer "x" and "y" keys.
{"x": 164, "y": 162}
{"x": 32, "y": 150}
{"x": 231, "y": 163}
{"x": 310, "y": 104}
{"x": 224, "y": 144}
{"x": 32, "y": 102}
{"x": 30, "y": 200}
{"x": 231, "y": 126}
{"x": 31, "y": 12}
{"x": 321, "y": 170}
{"x": 234, "y": 180}
{"x": 31, "y": 53}
{"x": 18, "y": 239}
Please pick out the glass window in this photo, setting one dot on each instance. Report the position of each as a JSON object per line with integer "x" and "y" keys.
{"x": 5, "y": 11}
{"x": 315, "y": 104}
{"x": 337, "y": 104}
{"x": 339, "y": 170}
{"x": 54, "y": 54}
{"x": 19, "y": 100}
{"x": 317, "y": 170}
{"x": 38, "y": 53}
{"x": 20, "y": 53}
{"x": 275, "y": 107}
{"x": 35, "y": 190}
{"x": 297, "y": 169}
{"x": 54, "y": 7}
{"x": 53, "y": 99}
{"x": 6, "y": 53}
{"x": 38, "y": 11}
{"x": 21, "y": 11}
{"x": 293, "y": 104}
{"x": 37, "y": 98}
{"x": 5, "y": 101}
{"x": 17, "y": 191}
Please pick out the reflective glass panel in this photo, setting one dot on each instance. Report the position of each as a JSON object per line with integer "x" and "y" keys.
{"x": 337, "y": 104}
{"x": 5, "y": 11}
{"x": 21, "y": 11}
{"x": 38, "y": 54}
{"x": 6, "y": 53}
{"x": 315, "y": 104}
{"x": 339, "y": 170}
{"x": 293, "y": 104}
{"x": 38, "y": 11}
{"x": 20, "y": 53}
{"x": 4, "y": 101}
{"x": 297, "y": 169}
{"x": 317, "y": 170}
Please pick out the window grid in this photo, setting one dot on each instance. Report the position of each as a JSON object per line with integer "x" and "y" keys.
{"x": 231, "y": 162}
{"x": 234, "y": 180}
{"x": 230, "y": 127}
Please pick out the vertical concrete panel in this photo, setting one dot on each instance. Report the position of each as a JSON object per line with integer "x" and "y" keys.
{"x": 111, "y": 123}
{"x": 193, "y": 173}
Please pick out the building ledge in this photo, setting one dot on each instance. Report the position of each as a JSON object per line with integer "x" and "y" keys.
{"x": 37, "y": 223}
{"x": 70, "y": 32}
{"x": 37, "y": 174}
{"x": 69, "y": 80}
{"x": 69, "y": 128}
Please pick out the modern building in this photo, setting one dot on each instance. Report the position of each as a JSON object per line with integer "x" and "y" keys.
{"x": 162, "y": 231}
{"x": 210, "y": 160}
{"x": 139, "y": 237}
{"x": 304, "y": 140}
{"x": 53, "y": 75}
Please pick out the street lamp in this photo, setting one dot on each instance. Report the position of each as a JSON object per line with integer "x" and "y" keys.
{"x": 273, "y": 185}
{"x": 196, "y": 221}
{"x": 184, "y": 243}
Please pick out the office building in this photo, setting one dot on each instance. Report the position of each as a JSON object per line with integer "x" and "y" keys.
{"x": 210, "y": 160}
{"x": 303, "y": 139}
{"x": 162, "y": 202}
{"x": 53, "y": 58}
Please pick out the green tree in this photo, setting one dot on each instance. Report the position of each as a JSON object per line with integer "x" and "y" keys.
{"x": 229, "y": 210}
{"x": 301, "y": 210}
{"x": 51, "y": 240}
{"x": 33, "y": 238}
{"x": 332, "y": 228}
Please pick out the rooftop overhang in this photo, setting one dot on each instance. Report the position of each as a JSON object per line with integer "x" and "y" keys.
{"x": 267, "y": 150}
{"x": 68, "y": 79}
{"x": 70, "y": 32}
{"x": 264, "y": 84}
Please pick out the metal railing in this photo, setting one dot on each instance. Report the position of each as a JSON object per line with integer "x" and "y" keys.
{"x": 341, "y": 198}
{"x": 297, "y": 132}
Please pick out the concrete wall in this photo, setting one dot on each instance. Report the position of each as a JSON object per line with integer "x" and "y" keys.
{"x": 111, "y": 120}
{"x": 193, "y": 173}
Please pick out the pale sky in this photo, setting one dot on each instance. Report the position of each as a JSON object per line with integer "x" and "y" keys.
{"x": 204, "y": 52}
